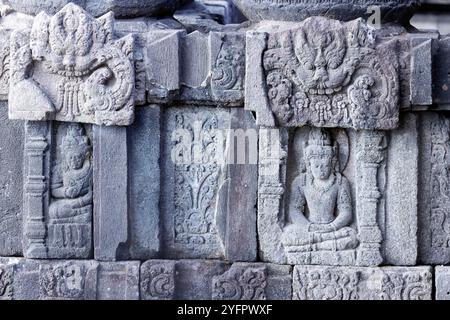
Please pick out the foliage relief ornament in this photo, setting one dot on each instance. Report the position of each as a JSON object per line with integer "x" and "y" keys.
{"x": 93, "y": 72}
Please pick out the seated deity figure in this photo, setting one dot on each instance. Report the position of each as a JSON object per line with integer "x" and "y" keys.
{"x": 72, "y": 178}
{"x": 320, "y": 208}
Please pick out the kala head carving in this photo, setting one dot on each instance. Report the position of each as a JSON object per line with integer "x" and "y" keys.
{"x": 93, "y": 72}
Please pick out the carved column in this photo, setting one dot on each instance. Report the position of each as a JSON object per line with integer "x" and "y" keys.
{"x": 369, "y": 157}
{"x": 36, "y": 188}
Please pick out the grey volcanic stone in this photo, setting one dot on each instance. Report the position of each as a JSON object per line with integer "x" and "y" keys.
{"x": 110, "y": 191}
{"x": 257, "y": 10}
{"x": 121, "y": 8}
{"x": 144, "y": 183}
{"x": 11, "y": 200}
{"x": 69, "y": 279}
{"x": 206, "y": 279}
{"x": 352, "y": 283}
{"x": 400, "y": 245}
{"x": 442, "y": 283}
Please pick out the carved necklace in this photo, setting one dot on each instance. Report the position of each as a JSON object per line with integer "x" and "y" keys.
{"x": 325, "y": 188}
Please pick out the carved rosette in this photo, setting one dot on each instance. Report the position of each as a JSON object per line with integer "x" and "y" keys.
{"x": 240, "y": 283}
{"x": 69, "y": 67}
{"x": 324, "y": 73}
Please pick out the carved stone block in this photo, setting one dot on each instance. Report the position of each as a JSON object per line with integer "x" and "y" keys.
{"x": 324, "y": 73}
{"x": 319, "y": 198}
{"x": 11, "y": 194}
{"x": 122, "y": 8}
{"x": 442, "y": 282}
{"x": 201, "y": 216}
{"x": 69, "y": 67}
{"x": 25, "y": 279}
{"x": 58, "y": 189}
{"x": 202, "y": 279}
{"x": 434, "y": 191}
{"x": 338, "y": 283}
{"x": 422, "y": 49}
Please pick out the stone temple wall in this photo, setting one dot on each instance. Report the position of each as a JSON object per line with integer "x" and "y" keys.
{"x": 248, "y": 150}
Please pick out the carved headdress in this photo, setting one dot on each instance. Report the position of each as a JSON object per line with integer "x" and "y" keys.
{"x": 319, "y": 144}
{"x": 75, "y": 140}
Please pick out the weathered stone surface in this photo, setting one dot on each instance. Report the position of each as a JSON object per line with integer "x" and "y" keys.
{"x": 121, "y": 8}
{"x": 253, "y": 281}
{"x": 69, "y": 67}
{"x": 421, "y": 70}
{"x": 434, "y": 212}
{"x": 26, "y": 279}
{"x": 202, "y": 215}
{"x": 442, "y": 282}
{"x": 257, "y": 10}
{"x": 11, "y": 189}
{"x": 400, "y": 222}
{"x": 441, "y": 80}
{"x": 202, "y": 279}
{"x": 111, "y": 191}
{"x": 58, "y": 191}
{"x": 322, "y": 72}
{"x": 319, "y": 197}
{"x": 337, "y": 283}
{"x": 144, "y": 184}
{"x": 193, "y": 142}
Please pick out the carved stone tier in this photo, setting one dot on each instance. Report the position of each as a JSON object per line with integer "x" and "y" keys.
{"x": 297, "y": 10}
{"x": 122, "y": 8}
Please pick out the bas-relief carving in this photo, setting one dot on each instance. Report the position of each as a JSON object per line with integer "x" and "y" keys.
{"x": 6, "y": 282}
{"x": 326, "y": 73}
{"x": 70, "y": 210}
{"x": 58, "y": 191}
{"x": 158, "y": 280}
{"x": 240, "y": 283}
{"x": 72, "y": 69}
{"x": 196, "y": 146}
{"x": 315, "y": 208}
{"x": 320, "y": 207}
{"x": 389, "y": 283}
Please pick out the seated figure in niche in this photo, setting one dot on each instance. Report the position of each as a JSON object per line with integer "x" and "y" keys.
{"x": 72, "y": 178}
{"x": 320, "y": 207}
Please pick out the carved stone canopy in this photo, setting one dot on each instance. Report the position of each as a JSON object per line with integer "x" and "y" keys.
{"x": 324, "y": 73}
{"x": 345, "y": 10}
{"x": 121, "y": 8}
{"x": 69, "y": 67}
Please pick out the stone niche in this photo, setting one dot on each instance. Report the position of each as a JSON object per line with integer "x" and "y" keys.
{"x": 338, "y": 196}
{"x": 58, "y": 190}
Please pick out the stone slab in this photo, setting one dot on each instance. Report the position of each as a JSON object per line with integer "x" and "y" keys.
{"x": 11, "y": 188}
{"x": 442, "y": 283}
{"x": 206, "y": 280}
{"x": 353, "y": 283}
